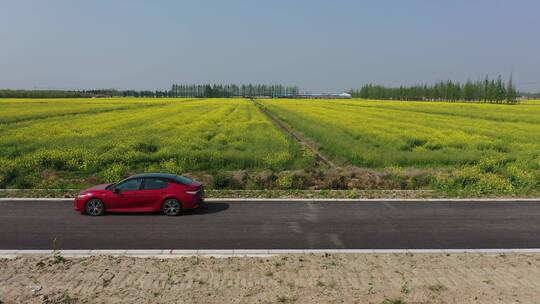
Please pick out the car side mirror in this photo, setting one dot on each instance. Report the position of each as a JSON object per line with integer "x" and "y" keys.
{"x": 116, "y": 190}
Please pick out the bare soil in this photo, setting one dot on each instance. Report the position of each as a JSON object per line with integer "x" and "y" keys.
{"x": 313, "y": 278}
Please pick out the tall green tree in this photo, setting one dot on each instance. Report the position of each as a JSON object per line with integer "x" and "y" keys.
{"x": 511, "y": 93}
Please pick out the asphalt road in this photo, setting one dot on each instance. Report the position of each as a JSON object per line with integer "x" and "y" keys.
{"x": 278, "y": 225}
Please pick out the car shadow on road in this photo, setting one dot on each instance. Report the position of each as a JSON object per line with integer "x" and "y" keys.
{"x": 207, "y": 208}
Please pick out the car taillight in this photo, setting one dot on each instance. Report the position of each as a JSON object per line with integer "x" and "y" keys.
{"x": 198, "y": 191}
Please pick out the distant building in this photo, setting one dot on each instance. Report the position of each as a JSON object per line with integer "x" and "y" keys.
{"x": 324, "y": 96}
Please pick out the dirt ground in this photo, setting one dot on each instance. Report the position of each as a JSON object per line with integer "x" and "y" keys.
{"x": 313, "y": 278}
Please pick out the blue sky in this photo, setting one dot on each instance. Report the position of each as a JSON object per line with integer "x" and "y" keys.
{"x": 317, "y": 45}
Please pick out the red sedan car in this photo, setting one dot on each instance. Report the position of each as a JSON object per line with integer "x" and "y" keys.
{"x": 149, "y": 192}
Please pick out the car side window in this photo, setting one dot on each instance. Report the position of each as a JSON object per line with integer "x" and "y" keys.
{"x": 132, "y": 184}
{"x": 155, "y": 184}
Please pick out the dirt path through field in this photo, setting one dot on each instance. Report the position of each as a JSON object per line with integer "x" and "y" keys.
{"x": 284, "y": 127}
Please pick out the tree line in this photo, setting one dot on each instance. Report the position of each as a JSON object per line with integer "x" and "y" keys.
{"x": 41, "y": 94}
{"x": 487, "y": 90}
{"x": 229, "y": 90}
{"x": 204, "y": 90}
{"x": 81, "y": 94}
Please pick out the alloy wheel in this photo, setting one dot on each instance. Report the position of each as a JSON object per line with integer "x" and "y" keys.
{"x": 171, "y": 207}
{"x": 94, "y": 207}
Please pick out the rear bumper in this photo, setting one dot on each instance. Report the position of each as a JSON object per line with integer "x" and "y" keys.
{"x": 198, "y": 202}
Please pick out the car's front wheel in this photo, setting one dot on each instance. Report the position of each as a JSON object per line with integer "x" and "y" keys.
{"x": 171, "y": 207}
{"x": 94, "y": 207}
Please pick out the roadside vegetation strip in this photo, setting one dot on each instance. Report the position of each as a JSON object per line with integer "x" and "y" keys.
{"x": 309, "y": 200}
{"x": 267, "y": 193}
{"x": 294, "y": 134}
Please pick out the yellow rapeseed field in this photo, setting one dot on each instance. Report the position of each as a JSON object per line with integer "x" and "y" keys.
{"x": 488, "y": 148}
{"x": 475, "y": 148}
{"x": 108, "y": 138}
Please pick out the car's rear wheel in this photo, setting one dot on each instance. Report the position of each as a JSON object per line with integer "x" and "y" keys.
{"x": 94, "y": 207}
{"x": 171, "y": 207}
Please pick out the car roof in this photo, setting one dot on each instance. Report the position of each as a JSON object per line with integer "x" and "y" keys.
{"x": 179, "y": 179}
{"x": 155, "y": 175}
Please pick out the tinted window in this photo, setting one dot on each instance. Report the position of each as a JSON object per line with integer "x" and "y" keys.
{"x": 154, "y": 184}
{"x": 132, "y": 184}
{"x": 183, "y": 180}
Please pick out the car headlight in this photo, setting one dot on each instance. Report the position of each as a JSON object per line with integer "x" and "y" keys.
{"x": 83, "y": 195}
{"x": 192, "y": 192}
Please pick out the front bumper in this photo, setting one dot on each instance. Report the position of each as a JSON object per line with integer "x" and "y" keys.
{"x": 76, "y": 205}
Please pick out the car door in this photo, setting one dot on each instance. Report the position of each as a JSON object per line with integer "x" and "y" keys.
{"x": 152, "y": 193}
{"x": 126, "y": 197}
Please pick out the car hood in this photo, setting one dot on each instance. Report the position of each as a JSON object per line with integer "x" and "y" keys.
{"x": 97, "y": 187}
